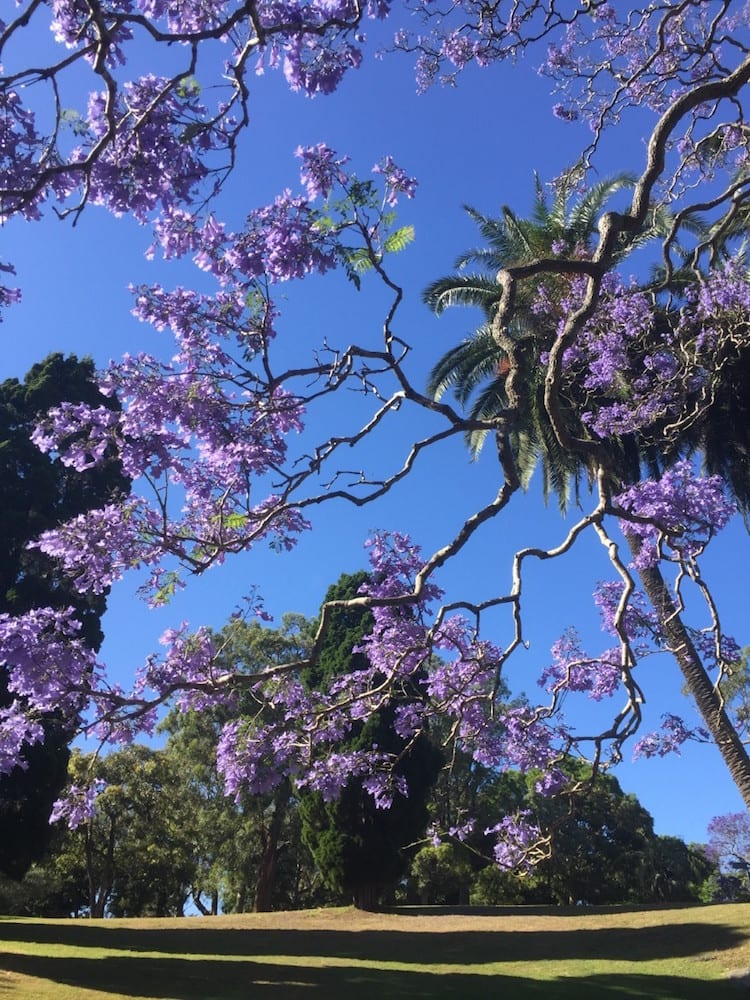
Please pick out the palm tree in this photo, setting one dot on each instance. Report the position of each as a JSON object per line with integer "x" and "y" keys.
{"x": 477, "y": 369}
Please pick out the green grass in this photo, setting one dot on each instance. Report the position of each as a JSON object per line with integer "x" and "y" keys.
{"x": 628, "y": 954}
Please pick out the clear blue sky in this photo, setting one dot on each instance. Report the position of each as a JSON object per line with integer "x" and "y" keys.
{"x": 480, "y": 144}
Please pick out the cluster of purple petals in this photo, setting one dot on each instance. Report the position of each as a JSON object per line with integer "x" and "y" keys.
{"x": 98, "y": 547}
{"x": 149, "y": 164}
{"x": 714, "y": 648}
{"x": 321, "y": 170}
{"x": 522, "y": 738}
{"x": 85, "y": 430}
{"x": 680, "y": 510}
{"x": 719, "y": 305}
{"x": 729, "y": 839}
{"x": 460, "y": 831}
{"x": 78, "y": 804}
{"x": 669, "y": 739}
{"x": 284, "y": 240}
{"x": 8, "y": 297}
{"x": 627, "y": 377}
{"x": 637, "y": 622}
{"x": 281, "y": 241}
{"x": 516, "y": 838}
{"x": 18, "y": 729}
{"x": 46, "y": 661}
{"x": 187, "y": 669}
{"x": 48, "y": 669}
{"x": 634, "y": 366}
{"x": 313, "y": 42}
{"x": 187, "y": 423}
{"x": 397, "y": 181}
{"x": 186, "y": 16}
{"x": 572, "y": 670}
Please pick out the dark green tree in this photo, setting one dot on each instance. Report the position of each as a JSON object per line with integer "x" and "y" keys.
{"x": 37, "y": 493}
{"x": 362, "y": 850}
{"x": 676, "y": 872}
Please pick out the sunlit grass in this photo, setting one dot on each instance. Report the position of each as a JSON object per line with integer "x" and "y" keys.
{"x": 342, "y": 954}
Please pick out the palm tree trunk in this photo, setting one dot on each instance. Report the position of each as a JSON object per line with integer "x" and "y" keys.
{"x": 697, "y": 680}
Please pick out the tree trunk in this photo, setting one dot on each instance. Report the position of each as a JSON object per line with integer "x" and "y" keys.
{"x": 99, "y": 893}
{"x": 366, "y": 897}
{"x": 267, "y": 868}
{"x": 697, "y": 680}
{"x": 199, "y": 904}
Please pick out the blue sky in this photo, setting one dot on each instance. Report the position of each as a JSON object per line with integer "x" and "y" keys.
{"x": 479, "y": 143}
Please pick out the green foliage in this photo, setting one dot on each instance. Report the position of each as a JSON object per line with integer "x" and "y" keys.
{"x": 441, "y": 875}
{"x": 137, "y": 851}
{"x": 37, "y": 493}
{"x": 399, "y": 239}
{"x": 603, "y": 848}
{"x": 248, "y": 853}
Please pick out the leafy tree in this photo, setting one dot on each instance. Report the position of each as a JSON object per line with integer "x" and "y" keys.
{"x": 360, "y": 846}
{"x": 134, "y": 855}
{"x": 599, "y": 845}
{"x": 248, "y": 850}
{"x": 729, "y": 846}
{"x": 603, "y": 850}
{"x": 38, "y": 494}
{"x": 441, "y": 875}
{"x": 676, "y": 871}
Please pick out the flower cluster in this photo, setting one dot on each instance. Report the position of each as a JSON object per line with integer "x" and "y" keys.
{"x": 78, "y": 804}
{"x": 517, "y": 841}
{"x": 154, "y": 161}
{"x": 729, "y": 841}
{"x": 669, "y": 738}
{"x": 572, "y": 670}
{"x": 48, "y": 668}
{"x": 680, "y": 511}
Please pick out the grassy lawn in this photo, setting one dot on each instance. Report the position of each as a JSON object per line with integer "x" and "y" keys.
{"x": 660, "y": 954}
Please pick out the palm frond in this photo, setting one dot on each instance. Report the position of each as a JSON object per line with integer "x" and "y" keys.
{"x": 465, "y": 366}
{"x": 462, "y": 290}
{"x": 584, "y": 214}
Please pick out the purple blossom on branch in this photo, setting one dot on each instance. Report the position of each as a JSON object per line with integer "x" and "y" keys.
{"x": 78, "y": 804}
{"x": 517, "y": 842}
{"x": 681, "y": 510}
{"x": 669, "y": 739}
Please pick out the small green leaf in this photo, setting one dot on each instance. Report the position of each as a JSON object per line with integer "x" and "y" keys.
{"x": 398, "y": 240}
{"x": 235, "y": 521}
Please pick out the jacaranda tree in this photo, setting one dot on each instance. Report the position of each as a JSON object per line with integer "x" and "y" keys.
{"x": 210, "y": 438}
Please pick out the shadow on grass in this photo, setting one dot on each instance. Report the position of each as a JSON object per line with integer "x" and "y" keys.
{"x": 412, "y": 948}
{"x": 224, "y": 979}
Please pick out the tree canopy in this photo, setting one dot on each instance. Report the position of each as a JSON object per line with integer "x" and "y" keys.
{"x": 636, "y": 388}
